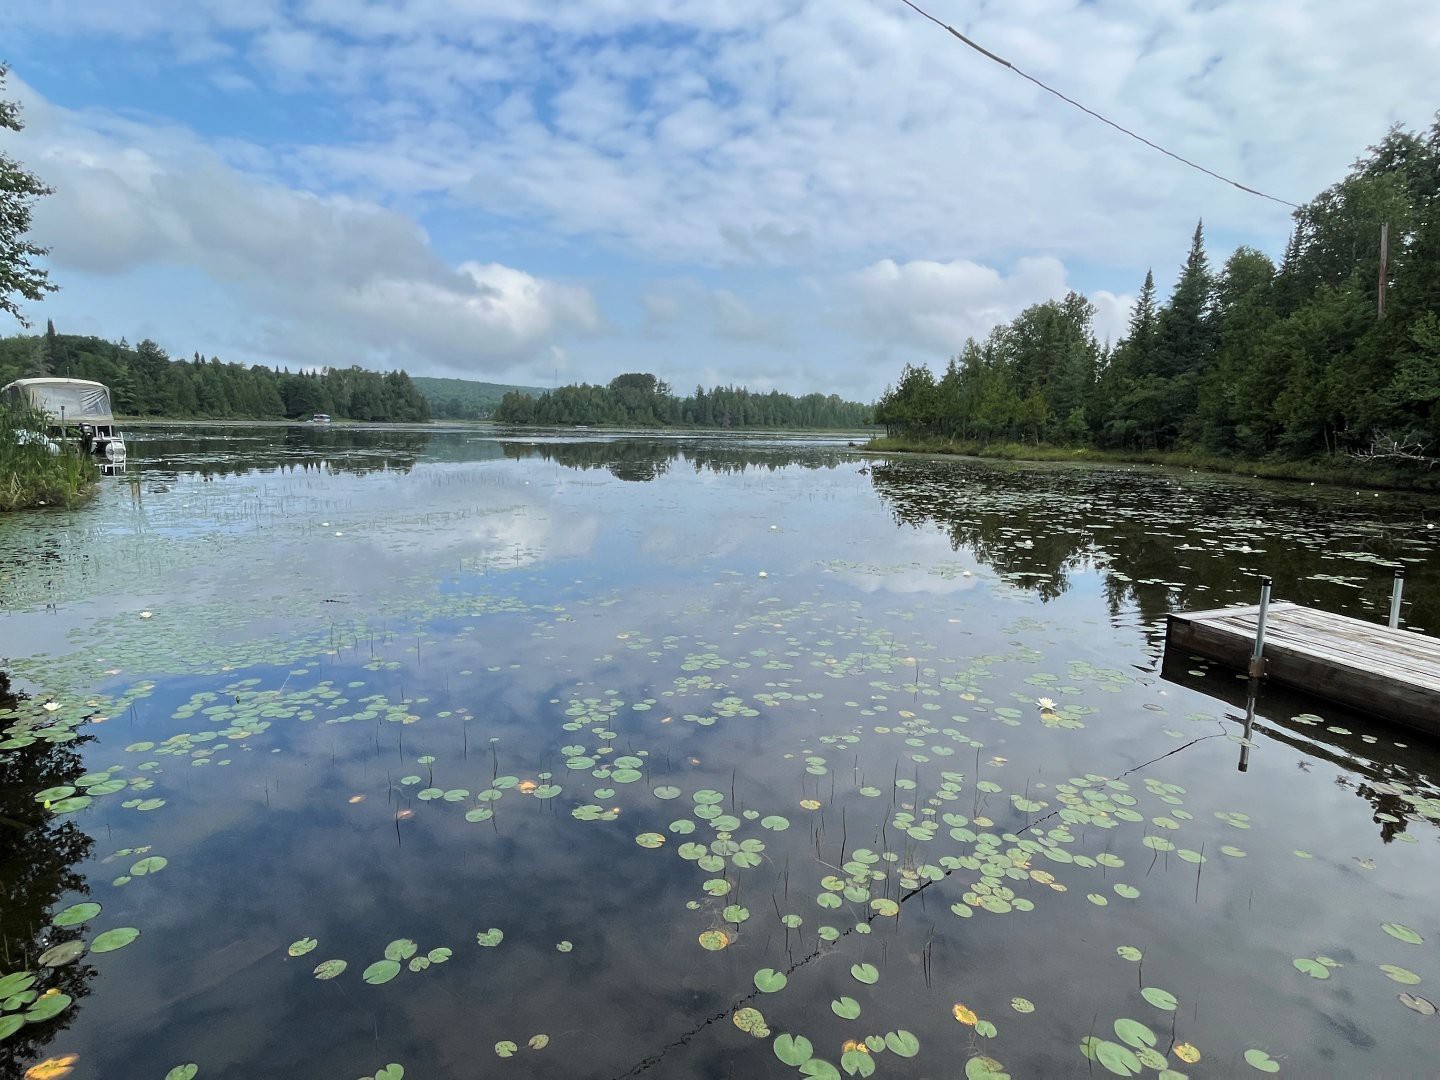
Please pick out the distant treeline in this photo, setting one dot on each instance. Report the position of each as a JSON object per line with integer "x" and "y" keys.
{"x": 1252, "y": 360}
{"x": 463, "y": 399}
{"x": 642, "y": 400}
{"x": 144, "y": 381}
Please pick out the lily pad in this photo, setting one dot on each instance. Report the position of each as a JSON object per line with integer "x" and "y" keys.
{"x": 1393, "y": 972}
{"x": 752, "y": 1022}
{"x": 400, "y": 949}
{"x": 793, "y": 1049}
{"x": 1259, "y": 1059}
{"x": 328, "y": 969}
{"x": 865, "y": 973}
{"x": 770, "y": 981}
{"x": 902, "y": 1043}
{"x": 380, "y": 972}
{"x": 1161, "y": 999}
{"x": 77, "y": 914}
{"x": 489, "y": 938}
{"x": 1402, "y": 933}
{"x": 847, "y": 1008}
{"x": 714, "y": 940}
{"x": 1423, "y": 1006}
{"x": 111, "y": 940}
{"x": 49, "y": 1005}
{"x": 67, "y": 952}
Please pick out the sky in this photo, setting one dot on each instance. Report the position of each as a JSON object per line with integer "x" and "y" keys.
{"x": 793, "y": 194}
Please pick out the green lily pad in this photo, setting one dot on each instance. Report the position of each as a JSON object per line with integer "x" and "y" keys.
{"x": 489, "y": 938}
{"x": 1161, "y": 999}
{"x": 328, "y": 969}
{"x": 1401, "y": 975}
{"x": 77, "y": 914}
{"x": 847, "y": 1008}
{"x": 114, "y": 939}
{"x": 902, "y": 1043}
{"x": 775, "y": 823}
{"x": 303, "y": 946}
{"x": 16, "y": 982}
{"x": 770, "y": 981}
{"x": 1402, "y": 933}
{"x": 505, "y": 1048}
{"x": 793, "y": 1049}
{"x": 1259, "y": 1059}
{"x": 667, "y": 792}
{"x": 650, "y": 840}
{"x": 46, "y": 1007}
{"x": 1134, "y": 1033}
{"x": 865, "y": 973}
{"x": 1118, "y": 1059}
{"x": 985, "y": 1068}
{"x": 10, "y": 1024}
{"x": 400, "y": 949}
{"x": 183, "y": 1072}
{"x": 1313, "y": 968}
{"x": 1129, "y": 952}
{"x": 380, "y": 972}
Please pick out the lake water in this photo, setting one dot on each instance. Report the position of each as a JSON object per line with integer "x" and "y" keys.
{"x": 543, "y": 756}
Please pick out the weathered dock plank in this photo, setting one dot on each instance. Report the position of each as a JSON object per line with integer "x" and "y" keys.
{"x": 1371, "y": 668}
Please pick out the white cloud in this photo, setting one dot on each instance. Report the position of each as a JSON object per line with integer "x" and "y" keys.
{"x": 935, "y": 306}
{"x": 330, "y": 278}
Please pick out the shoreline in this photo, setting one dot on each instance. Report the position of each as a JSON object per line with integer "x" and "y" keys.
{"x": 1339, "y": 473}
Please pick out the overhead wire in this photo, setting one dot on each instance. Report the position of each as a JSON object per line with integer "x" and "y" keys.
{"x": 1091, "y": 112}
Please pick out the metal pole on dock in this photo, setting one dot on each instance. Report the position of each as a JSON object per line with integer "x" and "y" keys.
{"x": 1395, "y": 596}
{"x": 1257, "y": 658}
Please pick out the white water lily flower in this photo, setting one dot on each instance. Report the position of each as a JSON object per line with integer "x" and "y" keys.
{"x": 147, "y": 614}
{"x": 51, "y": 706}
{"x": 1045, "y": 704}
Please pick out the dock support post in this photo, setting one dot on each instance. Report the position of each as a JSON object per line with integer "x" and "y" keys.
{"x": 1395, "y": 596}
{"x": 1257, "y": 658}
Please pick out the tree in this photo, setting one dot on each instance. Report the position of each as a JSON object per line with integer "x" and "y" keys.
{"x": 20, "y": 278}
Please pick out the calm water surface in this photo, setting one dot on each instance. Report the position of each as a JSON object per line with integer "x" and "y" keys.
{"x": 560, "y": 751}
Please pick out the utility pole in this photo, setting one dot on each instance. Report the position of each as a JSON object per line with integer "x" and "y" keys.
{"x": 1384, "y": 269}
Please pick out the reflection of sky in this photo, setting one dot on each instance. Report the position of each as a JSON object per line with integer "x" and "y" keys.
{"x": 268, "y": 849}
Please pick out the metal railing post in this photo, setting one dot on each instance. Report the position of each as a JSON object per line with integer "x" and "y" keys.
{"x": 1257, "y": 658}
{"x": 1395, "y": 596}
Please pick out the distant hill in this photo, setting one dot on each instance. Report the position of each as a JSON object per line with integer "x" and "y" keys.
{"x": 462, "y": 399}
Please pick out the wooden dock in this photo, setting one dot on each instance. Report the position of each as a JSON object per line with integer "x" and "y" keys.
{"x": 1367, "y": 667}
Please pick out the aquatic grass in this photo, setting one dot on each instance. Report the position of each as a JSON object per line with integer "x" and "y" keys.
{"x": 31, "y": 476}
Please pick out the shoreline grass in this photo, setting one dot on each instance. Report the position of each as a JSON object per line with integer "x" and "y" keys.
{"x": 33, "y": 478}
{"x": 1337, "y": 471}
